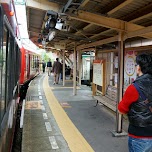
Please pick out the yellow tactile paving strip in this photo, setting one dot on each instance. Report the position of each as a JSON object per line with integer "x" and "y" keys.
{"x": 75, "y": 140}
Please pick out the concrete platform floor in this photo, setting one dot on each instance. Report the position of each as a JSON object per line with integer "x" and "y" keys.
{"x": 94, "y": 123}
{"x": 55, "y": 120}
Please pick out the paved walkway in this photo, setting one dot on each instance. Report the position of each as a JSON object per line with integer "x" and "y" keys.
{"x": 94, "y": 123}
{"x": 55, "y": 120}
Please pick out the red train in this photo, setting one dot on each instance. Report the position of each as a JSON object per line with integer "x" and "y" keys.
{"x": 17, "y": 67}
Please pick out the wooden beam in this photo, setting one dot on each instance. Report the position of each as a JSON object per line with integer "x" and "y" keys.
{"x": 139, "y": 12}
{"x": 86, "y": 27}
{"x": 119, "y": 6}
{"x": 97, "y": 43}
{"x": 141, "y": 17}
{"x": 98, "y": 20}
{"x": 112, "y": 11}
{"x": 108, "y": 22}
{"x": 111, "y": 5}
{"x": 115, "y": 38}
{"x": 132, "y": 21}
{"x": 102, "y": 33}
{"x": 88, "y": 49}
{"x": 67, "y": 5}
{"x": 139, "y": 32}
{"x": 140, "y": 48}
{"x": 83, "y": 4}
{"x": 43, "y": 5}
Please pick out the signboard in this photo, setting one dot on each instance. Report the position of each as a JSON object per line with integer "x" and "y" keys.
{"x": 98, "y": 72}
{"x": 129, "y": 68}
{"x": 59, "y": 45}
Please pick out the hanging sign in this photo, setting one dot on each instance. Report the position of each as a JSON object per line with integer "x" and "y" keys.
{"x": 59, "y": 45}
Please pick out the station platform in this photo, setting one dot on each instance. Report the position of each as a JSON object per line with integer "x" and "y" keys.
{"x": 55, "y": 120}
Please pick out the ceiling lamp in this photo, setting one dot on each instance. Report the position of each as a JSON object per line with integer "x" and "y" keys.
{"x": 51, "y": 35}
{"x": 51, "y": 23}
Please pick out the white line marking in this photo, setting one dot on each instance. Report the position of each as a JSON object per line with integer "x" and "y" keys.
{"x": 39, "y": 90}
{"x": 40, "y": 97}
{"x": 22, "y": 114}
{"x": 48, "y": 126}
{"x": 53, "y": 142}
{"x": 30, "y": 83}
{"x": 41, "y": 102}
{"x": 45, "y": 116}
{"x": 40, "y": 93}
{"x": 43, "y": 108}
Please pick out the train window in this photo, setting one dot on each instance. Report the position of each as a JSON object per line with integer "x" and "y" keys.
{"x": 10, "y": 71}
{"x": 3, "y": 73}
{"x": 1, "y": 57}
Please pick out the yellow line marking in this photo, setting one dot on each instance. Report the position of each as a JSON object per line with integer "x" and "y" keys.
{"x": 75, "y": 140}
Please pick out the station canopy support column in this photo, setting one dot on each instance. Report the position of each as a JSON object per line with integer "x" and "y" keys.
{"x": 63, "y": 71}
{"x": 74, "y": 71}
{"x": 120, "y": 84}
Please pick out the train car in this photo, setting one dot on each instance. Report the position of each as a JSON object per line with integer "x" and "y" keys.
{"x": 17, "y": 67}
{"x": 29, "y": 69}
{"x": 29, "y": 65}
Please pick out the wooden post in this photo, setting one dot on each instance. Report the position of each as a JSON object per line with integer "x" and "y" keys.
{"x": 94, "y": 89}
{"x": 63, "y": 72}
{"x": 120, "y": 81}
{"x": 74, "y": 71}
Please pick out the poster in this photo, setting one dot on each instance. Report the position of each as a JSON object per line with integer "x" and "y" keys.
{"x": 129, "y": 68}
{"x": 97, "y": 72}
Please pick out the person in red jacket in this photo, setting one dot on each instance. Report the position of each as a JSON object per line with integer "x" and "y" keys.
{"x": 137, "y": 104}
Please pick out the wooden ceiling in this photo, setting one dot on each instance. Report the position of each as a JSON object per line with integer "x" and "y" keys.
{"x": 93, "y": 22}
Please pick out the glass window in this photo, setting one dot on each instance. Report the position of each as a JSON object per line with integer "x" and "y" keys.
{"x": 1, "y": 57}
{"x": 3, "y": 73}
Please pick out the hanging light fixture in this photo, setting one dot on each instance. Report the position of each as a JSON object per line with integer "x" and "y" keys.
{"x": 51, "y": 23}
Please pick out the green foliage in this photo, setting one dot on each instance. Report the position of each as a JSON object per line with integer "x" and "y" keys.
{"x": 45, "y": 57}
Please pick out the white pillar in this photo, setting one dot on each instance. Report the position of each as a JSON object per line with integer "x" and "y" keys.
{"x": 74, "y": 71}
{"x": 111, "y": 67}
{"x": 80, "y": 67}
{"x": 63, "y": 68}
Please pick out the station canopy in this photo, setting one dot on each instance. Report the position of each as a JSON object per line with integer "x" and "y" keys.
{"x": 87, "y": 23}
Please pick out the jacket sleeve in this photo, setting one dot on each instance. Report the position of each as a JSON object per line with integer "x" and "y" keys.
{"x": 131, "y": 95}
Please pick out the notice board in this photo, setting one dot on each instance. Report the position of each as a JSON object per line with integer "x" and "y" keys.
{"x": 99, "y": 75}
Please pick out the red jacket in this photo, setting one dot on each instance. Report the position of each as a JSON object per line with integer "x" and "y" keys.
{"x": 131, "y": 95}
